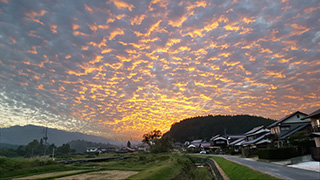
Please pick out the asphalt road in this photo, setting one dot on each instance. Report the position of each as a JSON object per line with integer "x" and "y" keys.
{"x": 276, "y": 170}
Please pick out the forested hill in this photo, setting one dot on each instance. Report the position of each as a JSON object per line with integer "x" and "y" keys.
{"x": 204, "y": 127}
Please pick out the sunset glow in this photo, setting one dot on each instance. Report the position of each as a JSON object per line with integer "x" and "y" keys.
{"x": 121, "y": 68}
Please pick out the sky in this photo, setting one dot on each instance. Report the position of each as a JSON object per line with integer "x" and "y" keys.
{"x": 121, "y": 68}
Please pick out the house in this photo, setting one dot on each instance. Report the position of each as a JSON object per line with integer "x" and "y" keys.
{"x": 232, "y": 138}
{"x": 257, "y": 138}
{"x": 199, "y": 143}
{"x": 286, "y": 127}
{"x": 236, "y": 144}
{"x": 126, "y": 150}
{"x": 315, "y": 132}
{"x": 177, "y": 145}
{"x": 219, "y": 141}
{"x": 93, "y": 150}
{"x": 142, "y": 147}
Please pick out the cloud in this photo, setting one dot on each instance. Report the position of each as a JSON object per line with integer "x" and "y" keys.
{"x": 121, "y": 68}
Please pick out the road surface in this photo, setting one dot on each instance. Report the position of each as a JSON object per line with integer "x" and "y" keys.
{"x": 276, "y": 170}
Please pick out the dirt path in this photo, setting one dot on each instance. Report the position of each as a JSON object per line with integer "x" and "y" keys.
{"x": 51, "y": 174}
{"x": 101, "y": 175}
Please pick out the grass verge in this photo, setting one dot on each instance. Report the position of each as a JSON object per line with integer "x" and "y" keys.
{"x": 237, "y": 171}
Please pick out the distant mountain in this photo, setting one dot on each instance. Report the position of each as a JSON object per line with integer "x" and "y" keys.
{"x": 8, "y": 146}
{"x": 204, "y": 127}
{"x": 22, "y": 135}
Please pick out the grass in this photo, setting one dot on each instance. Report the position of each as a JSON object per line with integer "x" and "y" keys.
{"x": 236, "y": 171}
{"x": 175, "y": 166}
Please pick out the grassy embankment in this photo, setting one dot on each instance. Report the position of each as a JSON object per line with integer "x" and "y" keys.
{"x": 157, "y": 166}
{"x": 20, "y": 167}
{"x": 236, "y": 171}
{"x": 149, "y": 166}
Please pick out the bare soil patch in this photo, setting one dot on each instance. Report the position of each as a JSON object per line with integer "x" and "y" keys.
{"x": 50, "y": 174}
{"x": 101, "y": 175}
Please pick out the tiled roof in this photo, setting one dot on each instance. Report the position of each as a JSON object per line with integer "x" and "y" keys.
{"x": 220, "y": 138}
{"x": 254, "y": 141}
{"x": 253, "y": 130}
{"x": 294, "y": 130}
{"x": 285, "y": 118}
{"x": 315, "y": 114}
{"x": 237, "y": 141}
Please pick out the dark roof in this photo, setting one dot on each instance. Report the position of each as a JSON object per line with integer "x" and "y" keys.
{"x": 220, "y": 138}
{"x": 237, "y": 141}
{"x": 285, "y": 118}
{"x": 257, "y": 139}
{"x": 254, "y": 130}
{"x": 218, "y": 135}
{"x": 235, "y": 136}
{"x": 294, "y": 130}
{"x": 315, "y": 134}
{"x": 315, "y": 114}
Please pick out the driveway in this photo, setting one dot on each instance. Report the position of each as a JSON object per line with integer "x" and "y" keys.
{"x": 276, "y": 170}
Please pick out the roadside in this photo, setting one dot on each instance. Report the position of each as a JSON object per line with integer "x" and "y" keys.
{"x": 275, "y": 169}
{"x": 310, "y": 165}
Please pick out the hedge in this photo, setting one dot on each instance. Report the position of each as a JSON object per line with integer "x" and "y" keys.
{"x": 278, "y": 153}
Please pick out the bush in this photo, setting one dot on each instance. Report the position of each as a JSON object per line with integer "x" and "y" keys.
{"x": 278, "y": 153}
{"x": 161, "y": 145}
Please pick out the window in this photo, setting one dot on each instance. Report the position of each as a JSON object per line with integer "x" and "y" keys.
{"x": 285, "y": 128}
{"x": 298, "y": 116}
{"x": 219, "y": 142}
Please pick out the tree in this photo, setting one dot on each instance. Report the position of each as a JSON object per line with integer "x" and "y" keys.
{"x": 157, "y": 144}
{"x": 129, "y": 144}
{"x": 65, "y": 149}
{"x": 161, "y": 145}
{"x": 148, "y": 138}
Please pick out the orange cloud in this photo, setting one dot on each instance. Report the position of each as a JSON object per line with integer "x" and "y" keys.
{"x": 122, "y": 5}
{"x": 34, "y": 50}
{"x": 116, "y": 32}
{"x": 53, "y": 28}
{"x": 33, "y": 15}
{"x": 137, "y": 20}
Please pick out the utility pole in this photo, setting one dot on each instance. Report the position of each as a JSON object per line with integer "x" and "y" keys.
{"x": 53, "y": 154}
{"x": 0, "y": 138}
{"x": 45, "y": 139}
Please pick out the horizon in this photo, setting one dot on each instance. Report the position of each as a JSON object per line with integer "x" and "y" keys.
{"x": 119, "y": 69}
{"x": 132, "y": 140}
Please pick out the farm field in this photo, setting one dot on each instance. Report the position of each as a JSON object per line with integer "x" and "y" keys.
{"x": 137, "y": 166}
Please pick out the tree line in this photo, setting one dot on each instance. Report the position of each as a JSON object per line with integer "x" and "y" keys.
{"x": 37, "y": 148}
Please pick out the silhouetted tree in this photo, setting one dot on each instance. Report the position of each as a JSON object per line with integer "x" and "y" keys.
{"x": 129, "y": 144}
{"x": 157, "y": 144}
{"x": 148, "y": 138}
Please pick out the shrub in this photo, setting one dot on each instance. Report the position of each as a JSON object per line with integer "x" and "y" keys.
{"x": 278, "y": 153}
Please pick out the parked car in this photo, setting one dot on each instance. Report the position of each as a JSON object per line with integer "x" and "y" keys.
{"x": 203, "y": 152}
